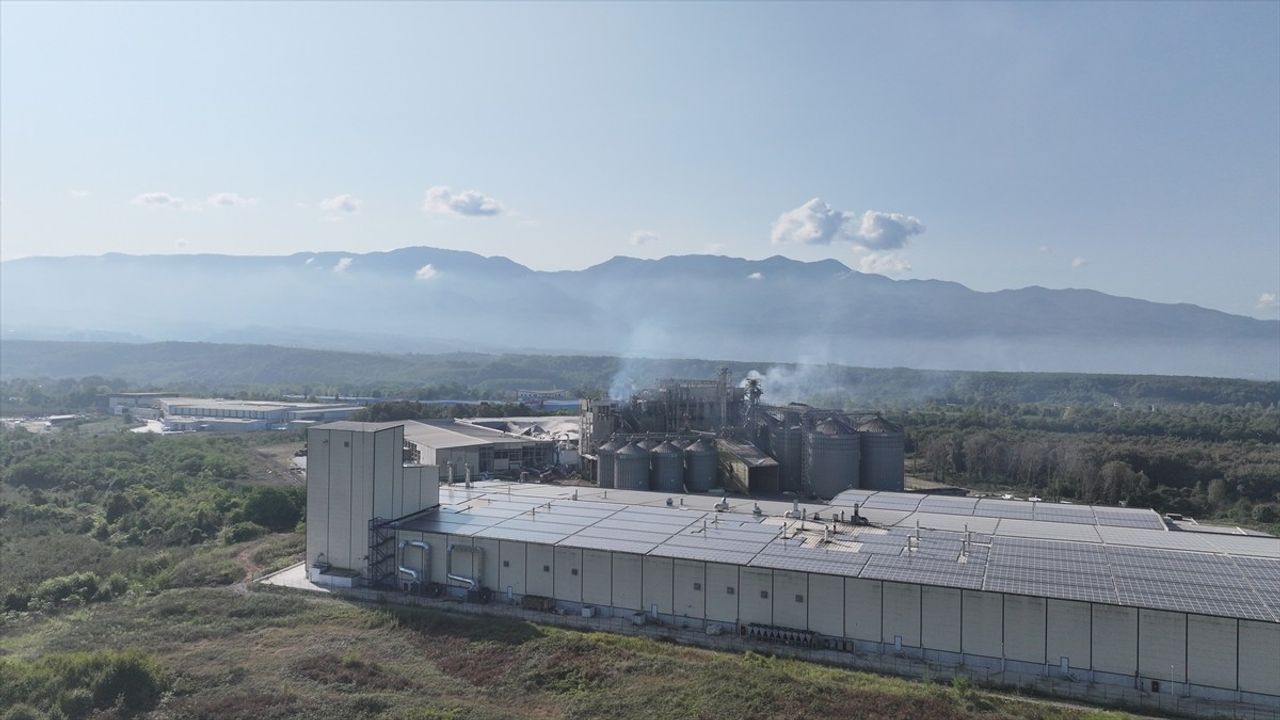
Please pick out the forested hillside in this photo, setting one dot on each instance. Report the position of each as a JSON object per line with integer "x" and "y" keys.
{"x": 264, "y": 369}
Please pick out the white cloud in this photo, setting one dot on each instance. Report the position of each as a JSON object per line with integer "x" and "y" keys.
{"x": 309, "y": 261}
{"x": 1268, "y": 301}
{"x": 426, "y": 272}
{"x": 756, "y": 276}
{"x": 875, "y": 236}
{"x": 342, "y": 265}
{"x": 813, "y": 223}
{"x": 230, "y": 199}
{"x": 78, "y": 194}
{"x": 441, "y": 199}
{"x": 344, "y": 203}
{"x": 886, "y": 231}
{"x": 817, "y": 223}
{"x": 643, "y": 237}
{"x": 1079, "y": 262}
{"x": 881, "y": 262}
{"x": 714, "y": 248}
{"x": 158, "y": 199}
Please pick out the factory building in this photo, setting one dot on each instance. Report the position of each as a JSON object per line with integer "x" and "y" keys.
{"x": 468, "y": 450}
{"x": 796, "y": 448}
{"x": 223, "y": 415}
{"x": 1094, "y": 595}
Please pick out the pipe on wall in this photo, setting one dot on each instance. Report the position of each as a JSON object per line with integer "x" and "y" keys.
{"x": 471, "y": 583}
{"x": 426, "y": 559}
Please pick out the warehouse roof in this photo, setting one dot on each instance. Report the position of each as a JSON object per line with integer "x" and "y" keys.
{"x": 1060, "y": 557}
{"x": 268, "y": 405}
{"x": 449, "y": 434}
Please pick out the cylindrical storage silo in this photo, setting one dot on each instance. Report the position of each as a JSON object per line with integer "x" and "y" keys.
{"x": 883, "y": 454}
{"x": 700, "y": 460}
{"x": 831, "y": 459}
{"x": 604, "y": 462}
{"x": 791, "y": 457}
{"x": 668, "y": 468}
{"x": 631, "y": 468}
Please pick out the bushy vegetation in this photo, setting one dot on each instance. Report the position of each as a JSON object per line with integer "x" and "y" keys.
{"x": 75, "y": 684}
{"x": 79, "y": 515}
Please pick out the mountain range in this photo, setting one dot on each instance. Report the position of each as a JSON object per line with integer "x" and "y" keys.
{"x": 430, "y": 300}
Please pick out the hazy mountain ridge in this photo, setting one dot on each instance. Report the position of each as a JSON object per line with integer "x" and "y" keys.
{"x": 679, "y": 306}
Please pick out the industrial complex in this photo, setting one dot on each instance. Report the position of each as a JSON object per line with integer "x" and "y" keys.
{"x": 732, "y": 440}
{"x": 1096, "y": 597}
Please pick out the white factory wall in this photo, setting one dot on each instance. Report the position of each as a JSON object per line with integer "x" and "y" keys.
{"x": 1259, "y": 665}
{"x": 1211, "y": 651}
{"x": 1162, "y": 651}
{"x": 1025, "y": 630}
{"x": 347, "y": 484}
{"x": 1115, "y": 642}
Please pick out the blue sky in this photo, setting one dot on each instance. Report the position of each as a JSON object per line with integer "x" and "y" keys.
{"x": 1130, "y": 148}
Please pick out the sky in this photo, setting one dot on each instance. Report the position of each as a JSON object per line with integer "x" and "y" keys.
{"x": 1130, "y": 148}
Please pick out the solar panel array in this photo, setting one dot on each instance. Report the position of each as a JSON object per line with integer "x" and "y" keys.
{"x": 1072, "y": 552}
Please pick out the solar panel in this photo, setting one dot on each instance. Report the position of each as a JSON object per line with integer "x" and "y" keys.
{"x": 1070, "y": 591}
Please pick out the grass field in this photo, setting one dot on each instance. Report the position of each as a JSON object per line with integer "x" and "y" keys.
{"x": 226, "y": 653}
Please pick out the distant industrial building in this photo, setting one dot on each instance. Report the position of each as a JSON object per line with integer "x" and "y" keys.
{"x": 760, "y": 448}
{"x": 1015, "y": 592}
{"x": 188, "y": 414}
{"x": 466, "y": 451}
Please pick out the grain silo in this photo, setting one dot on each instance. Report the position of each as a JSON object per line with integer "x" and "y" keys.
{"x": 604, "y": 462}
{"x": 831, "y": 459}
{"x": 668, "y": 468}
{"x": 702, "y": 459}
{"x": 883, "y": 447}
{"x": 631, "y": 468}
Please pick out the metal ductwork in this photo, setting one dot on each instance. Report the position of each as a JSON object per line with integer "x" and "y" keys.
{"x": 426, "y": 560}
{"x": 471, "y": 583}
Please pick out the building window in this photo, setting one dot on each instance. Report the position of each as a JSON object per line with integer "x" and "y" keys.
{"x": 573, "y": 571}
{"x": 506, "y": 563}
{"x": 799, "y": 598}
{"x": 346, "y": 443}
{"x": 729, "y": 590}
{"x": 546, "y": 568}
{"x": 764, "y": 594}
{"x": 697, "y": 586}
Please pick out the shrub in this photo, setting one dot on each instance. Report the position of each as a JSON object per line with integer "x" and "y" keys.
{"x": 273, "y": 508}
{"x": 76, "y": 684}
{"x": 241, "y": 532}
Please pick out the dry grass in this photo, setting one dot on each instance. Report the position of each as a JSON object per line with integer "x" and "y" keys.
{"x": 256, "y": 655}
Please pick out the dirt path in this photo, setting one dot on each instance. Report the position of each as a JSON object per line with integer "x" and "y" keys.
{"x": 251, "y": 568}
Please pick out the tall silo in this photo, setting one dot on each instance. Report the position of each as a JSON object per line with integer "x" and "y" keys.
{"x": 883, "y": 454}
{"x": 668, "y": 468}
{"x": 791, "y": 456}
{"x": 631, "y": 468}
{"x": 702, "y": 459}
{"x": 831, "y": 459}
{"x": 604, "y": 462}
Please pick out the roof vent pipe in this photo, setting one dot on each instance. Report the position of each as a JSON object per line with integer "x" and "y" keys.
{"x": 468, "y": 480}
{"x": 449, "y": 466}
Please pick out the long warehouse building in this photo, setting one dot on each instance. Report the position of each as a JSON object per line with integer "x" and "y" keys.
{"x": 1092, "y": 594}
